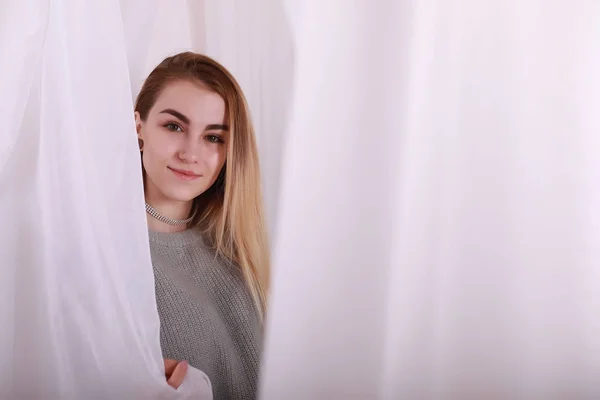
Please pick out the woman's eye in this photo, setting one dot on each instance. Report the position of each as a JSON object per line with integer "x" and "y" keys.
{"x": 173, "y": 127}
{"x": 214, "y": 139}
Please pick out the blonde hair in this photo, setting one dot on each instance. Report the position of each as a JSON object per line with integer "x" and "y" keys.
{"x": 230, "y": 212}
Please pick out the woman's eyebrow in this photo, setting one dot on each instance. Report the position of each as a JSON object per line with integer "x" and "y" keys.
{"x": 176, "y": 114}
{"x": 186, "y": 120}
{"x": 216, "y": 127}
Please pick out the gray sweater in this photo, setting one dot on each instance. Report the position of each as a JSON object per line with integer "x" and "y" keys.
{"x": 206, "y": 312}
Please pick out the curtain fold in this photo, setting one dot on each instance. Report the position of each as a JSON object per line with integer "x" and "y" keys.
{"x": 78, "y": 301}
{"x": 438, "y": 227}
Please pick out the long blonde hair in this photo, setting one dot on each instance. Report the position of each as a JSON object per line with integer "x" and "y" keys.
{"x": 230, "y": 213}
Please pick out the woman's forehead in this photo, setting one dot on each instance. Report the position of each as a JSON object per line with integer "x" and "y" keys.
{"x": 196, "y": 103}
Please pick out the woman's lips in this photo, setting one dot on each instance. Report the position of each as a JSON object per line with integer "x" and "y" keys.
{"x": 184, "y": 174}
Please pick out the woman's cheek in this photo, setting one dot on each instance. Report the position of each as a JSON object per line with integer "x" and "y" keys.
{"x": 167, "y": 146}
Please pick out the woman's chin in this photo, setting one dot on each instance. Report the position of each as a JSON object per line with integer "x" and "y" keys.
{"x": 181, "y": 196}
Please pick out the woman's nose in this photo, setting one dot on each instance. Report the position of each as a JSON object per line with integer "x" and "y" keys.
{"x": 190, "y": 152}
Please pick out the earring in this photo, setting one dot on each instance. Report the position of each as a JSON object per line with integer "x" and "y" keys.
{"x": 141, "y": 144}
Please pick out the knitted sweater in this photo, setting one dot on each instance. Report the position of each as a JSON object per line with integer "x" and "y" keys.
{"x": 207, "y": 314}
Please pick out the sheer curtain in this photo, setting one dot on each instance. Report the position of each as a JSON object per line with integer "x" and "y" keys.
{"x": 77, "y": 294}
{"x": 438, "y": 227}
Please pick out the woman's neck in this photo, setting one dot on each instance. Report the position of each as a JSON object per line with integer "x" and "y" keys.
{"x": 178, "y": 210}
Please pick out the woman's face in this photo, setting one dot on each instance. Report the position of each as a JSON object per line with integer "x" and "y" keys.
{"x": 184, "y": 141}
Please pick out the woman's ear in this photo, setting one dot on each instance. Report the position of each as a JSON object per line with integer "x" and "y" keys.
{"x": 138, "y": 129}
{"x": 138, "y": 124}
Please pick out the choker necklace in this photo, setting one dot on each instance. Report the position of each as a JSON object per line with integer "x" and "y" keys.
{"x": 167, "y": 220}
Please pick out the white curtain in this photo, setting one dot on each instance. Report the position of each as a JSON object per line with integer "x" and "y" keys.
{"x": 439, "y": 218}
{"x": 78, "y": 311}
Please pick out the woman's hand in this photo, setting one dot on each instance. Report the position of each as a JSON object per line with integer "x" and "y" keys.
{"x": 175, "y": 372}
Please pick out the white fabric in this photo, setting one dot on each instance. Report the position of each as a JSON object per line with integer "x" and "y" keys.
{"x": 78, "y": 313}
{"x": 439, "y": 218}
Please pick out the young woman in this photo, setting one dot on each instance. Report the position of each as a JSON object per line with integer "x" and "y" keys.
{"x": 205, "y": 217}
